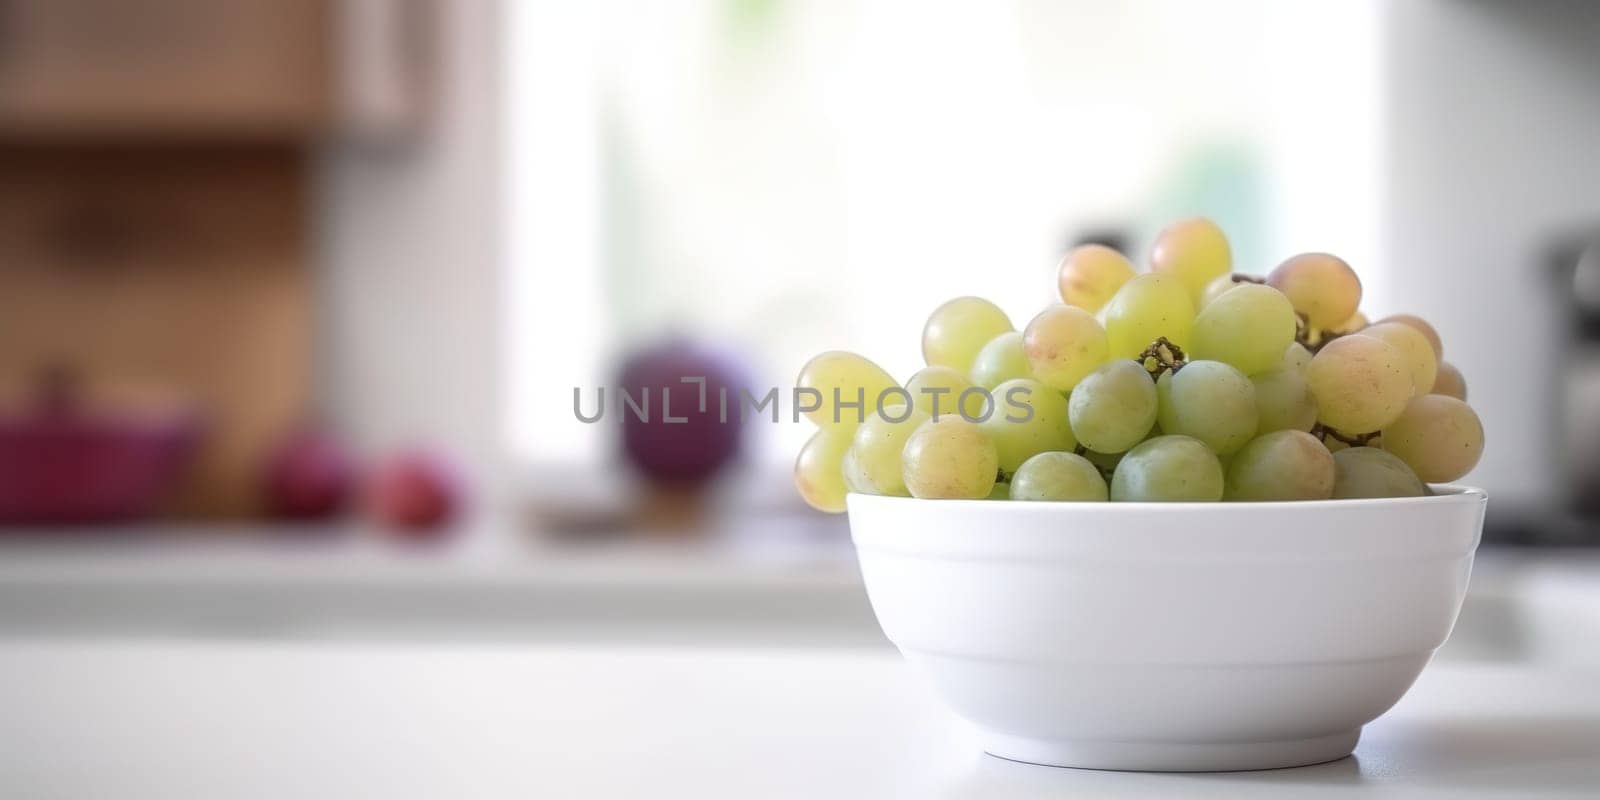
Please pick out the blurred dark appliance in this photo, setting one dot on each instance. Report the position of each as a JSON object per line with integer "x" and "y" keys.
{"x": 1575, "y": 263}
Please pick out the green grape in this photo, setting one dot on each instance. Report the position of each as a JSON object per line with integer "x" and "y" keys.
{"x": 1168, "y": 469}
{"x": 853, "y": 378}
{"x": 1283, "y": 401}
{"x": 1216, "y": 288}
{"x": 1058, "y": 476}
{"x": 1249, "y": 327}
{"x": 1450, "y": 381}
{"x": 1001, "y": 491}
{"x": 1091, "y": 274}
{"x": 819, "y": 470}
{"x": 1323, "y": 288}
{"x": 1282, "y": 465}
{"x": 1194, "y": 251}
{"x": 926, "y": 396}
{"x": 1001, "y": 360}
{"x": 875, "y": 450}
{"x": 853, "y": 479}
{"x": 1422, "y": 327}
{"x": 1297, "y": 357}
{"x": 1210, "y": 401}
{"x": 1114, "y": 407}
{"x": 1418, "y": 352}
{"x": 1027, "y": 418}
{"x": 1438, "y": 436}
{"x": 1369, "y": 472}
{"x": 1146, "y": 308}
{"x": 1361, "y": 384}
{"x": 957, "y": 330}
{"x": 949, "y": 458}
{"x": 1063, "y": 344}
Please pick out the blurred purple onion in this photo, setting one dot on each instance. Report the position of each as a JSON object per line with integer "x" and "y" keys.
{"x": 692, "y": 451}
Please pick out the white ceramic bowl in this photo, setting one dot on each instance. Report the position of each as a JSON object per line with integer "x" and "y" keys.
{"x": 1178, "y": 636}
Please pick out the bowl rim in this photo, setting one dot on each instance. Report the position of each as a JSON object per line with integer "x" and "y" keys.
{"x": 1443, "y": 494}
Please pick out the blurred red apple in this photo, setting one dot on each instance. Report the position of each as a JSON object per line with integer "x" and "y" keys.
{"x": 416, "y": 494}
{"x": 309, "y": 477}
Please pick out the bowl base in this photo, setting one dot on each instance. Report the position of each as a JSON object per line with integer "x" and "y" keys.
{"x": 1171, "y": 756}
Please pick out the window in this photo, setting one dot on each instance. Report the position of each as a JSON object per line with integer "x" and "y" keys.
{"x": 789, "y": 177}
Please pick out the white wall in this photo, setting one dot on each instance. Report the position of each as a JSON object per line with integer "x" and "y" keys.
{"x": 1493, "y": 121}
{"x": 410, "y": 251}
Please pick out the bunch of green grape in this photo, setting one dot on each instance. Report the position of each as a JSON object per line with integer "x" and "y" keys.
{"x": 1187, "y": 382}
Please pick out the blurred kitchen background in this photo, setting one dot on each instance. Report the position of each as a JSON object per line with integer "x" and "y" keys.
{"x": 295, "y": 294}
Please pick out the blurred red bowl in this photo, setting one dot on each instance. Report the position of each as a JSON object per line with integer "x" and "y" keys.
{"x": 65, "y": 463}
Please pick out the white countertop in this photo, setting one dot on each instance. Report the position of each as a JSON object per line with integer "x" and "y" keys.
{"x": 170, "y": 718}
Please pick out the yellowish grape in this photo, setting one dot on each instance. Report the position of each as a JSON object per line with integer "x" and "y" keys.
{"x": 1058, "y": 476}
{"x": 1210, "y": 401}
{"x": 1422, "y": 326}
{"x": 1322, "y": 288}
{"x": 943, "y": 390}
{"x": 1028, "y": 418}
{"x": 1364, "y": 472}
{"x": 957, "y": 330}
{"x": 1419, "y": 356}
{"x": 842, "y": 377}
{"x": 1356, "y": 322}
{"x": 1001, "y": 360}
{"x": 1089, "y": 275}
{"x": 1282, "y": 465}
{"x": 875, "y": 450}
{"x": 1450, "y": 381}
{"x": 949, "y": 458}
{"x": 1361, "y": 384}
{"x": 1113, "y": 408}
{"x": 1248, "y": 327}
{"x": 1438, "y": 436}
{"x": 1195, "y": 251}
{"x": 1215, "y": 288}
{"x": 1144, "y": 309}
{"x": 1063, "y": 344}
{"x": 1168, "y": 469}
{"x": 819, "y": 470}
{"x": 1284, "y": 400}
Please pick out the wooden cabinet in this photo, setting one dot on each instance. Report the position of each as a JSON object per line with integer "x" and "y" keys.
{"x": 155, "y": 185}
{"x": 186, "y": 269}
{"x": 211, "y": 68}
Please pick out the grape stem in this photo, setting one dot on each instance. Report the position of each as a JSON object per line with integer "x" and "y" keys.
{"x": 1312, "y": 339}
{"x": 1162, "y": 356}
{"x": 1324, "y": 433}
{"x": 1240, "y": 277}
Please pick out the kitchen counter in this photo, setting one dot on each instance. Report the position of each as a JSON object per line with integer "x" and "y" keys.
{"x": 756, "y": 591}
{"x": 156, "y": 718}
